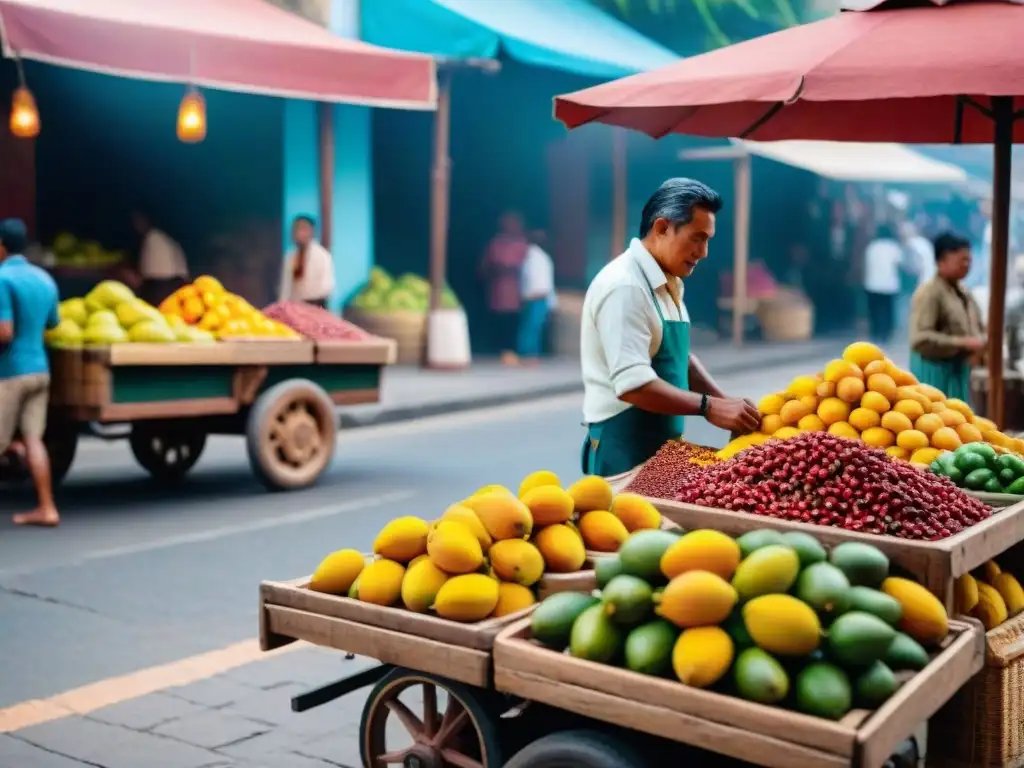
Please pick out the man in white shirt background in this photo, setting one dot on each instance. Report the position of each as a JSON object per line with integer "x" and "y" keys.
{"x": 537, "y": 286}
{"x": 639, "y": 376}
{"x": 883, "y": 259}
{"x": 308, "y": 273}
{"x": 163, "y": 268}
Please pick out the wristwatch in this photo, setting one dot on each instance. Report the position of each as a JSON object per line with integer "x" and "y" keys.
{"x": 705, "y": 401}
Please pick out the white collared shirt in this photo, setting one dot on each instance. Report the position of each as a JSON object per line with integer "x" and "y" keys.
{"x": 317, "y": 281}
{"x": 161, "y": 258}
{"x": 621, "y": 330}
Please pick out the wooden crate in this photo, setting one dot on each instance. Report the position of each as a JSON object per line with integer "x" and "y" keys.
{"x": 934, "y": 563}
{"x": 756, "y": 733}
{"x": 580, "y": 581}
{"x": 372, "y": 352}
{"x": 289, "y": 611}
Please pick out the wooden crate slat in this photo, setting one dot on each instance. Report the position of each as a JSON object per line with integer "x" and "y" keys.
{"x": 371, "y": 352}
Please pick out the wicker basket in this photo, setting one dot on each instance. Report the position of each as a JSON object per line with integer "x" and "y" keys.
{"x": 983, "y": 725}
{"x": 408, "y": 329}
{"x": 787, "y": 317}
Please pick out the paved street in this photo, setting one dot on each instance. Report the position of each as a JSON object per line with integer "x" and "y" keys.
{"x": 137, "y": 577}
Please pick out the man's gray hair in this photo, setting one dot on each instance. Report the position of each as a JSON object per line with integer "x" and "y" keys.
{"x": 675, "y": 200}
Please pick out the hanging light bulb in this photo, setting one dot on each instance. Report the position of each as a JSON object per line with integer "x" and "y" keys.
{"x": 192, "y": 117}
{"x": 24, "y": 114}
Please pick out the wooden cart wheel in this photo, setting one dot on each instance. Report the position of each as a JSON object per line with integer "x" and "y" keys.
{"x": 581, "y": 749}
{"x": 417, "y": 720}
{"x": 290, "y": 434}
{"x": 166, "y": 452}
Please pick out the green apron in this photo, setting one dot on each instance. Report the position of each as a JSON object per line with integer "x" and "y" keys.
{"x": 630, "y": 438}
{"x": 952, "y": 376}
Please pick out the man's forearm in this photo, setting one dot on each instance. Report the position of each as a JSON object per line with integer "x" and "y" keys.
{"x": 659, "y": 396}
{"x": 701, "y": 381}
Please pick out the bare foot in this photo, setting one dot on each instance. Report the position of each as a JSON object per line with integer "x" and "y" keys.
{"x": 509, "y": 358}
{"x": 46, "y": 518}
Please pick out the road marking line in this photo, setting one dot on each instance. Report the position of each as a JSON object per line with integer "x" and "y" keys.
{"x": 212, "y": 534}
{"x": 114, "y": 690}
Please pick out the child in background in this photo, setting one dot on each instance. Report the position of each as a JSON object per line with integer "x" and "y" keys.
{"x": 538, "y": 299}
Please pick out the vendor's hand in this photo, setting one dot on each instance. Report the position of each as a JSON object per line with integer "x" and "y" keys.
{"x": 733, "y": 414}
{"x": 974, "y": 344}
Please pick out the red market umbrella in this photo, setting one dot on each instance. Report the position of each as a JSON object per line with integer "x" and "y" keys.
{"x": 912, "y": 71}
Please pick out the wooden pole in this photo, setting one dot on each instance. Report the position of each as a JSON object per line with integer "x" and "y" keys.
{"x": 440, "y": 188}
{"x": 1002, "y": 113}
{"x": 325, "y": 122}
{"x": 741, "y": 246}
{"x": 620, "y": 202}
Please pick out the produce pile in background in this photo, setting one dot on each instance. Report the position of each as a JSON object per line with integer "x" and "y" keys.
{"x": 314, "y": 323}
{"x": 663, "y": 474}
{"x": 864, "y": 396}
{"x": 978, "y": 467}
{"x": 206, "y": 305}
{"x": 770, "y": 617}
{"x": 486, "y": 554}
{"x": 111, "y": 314}
{"x": 823, "y": 479}
{"x": 990, "y": 594}
{"x": 407, "y": 293}
{"x": 69, "y": 251}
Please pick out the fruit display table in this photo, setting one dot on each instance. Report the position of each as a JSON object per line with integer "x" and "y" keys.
{"x": 279, "y": 394}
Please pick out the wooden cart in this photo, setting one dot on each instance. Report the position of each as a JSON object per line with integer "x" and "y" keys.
{"x": 280, "y": 395}
{"x": 486, "y": 696}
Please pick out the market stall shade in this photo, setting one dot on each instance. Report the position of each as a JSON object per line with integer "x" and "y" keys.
{"x": 236, "y": 45}
{"x": 915, "y": 71}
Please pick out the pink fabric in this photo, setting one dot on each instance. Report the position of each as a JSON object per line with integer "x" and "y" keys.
{"x": 889, "y": 73}
{"x": 502, "y": 269}
{"x": 236, "y": 45}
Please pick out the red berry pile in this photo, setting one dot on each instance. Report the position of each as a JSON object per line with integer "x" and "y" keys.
{"x": 664, "y": 473}
{"x": 826, "y": 480}
{"x": 314, "y": 323}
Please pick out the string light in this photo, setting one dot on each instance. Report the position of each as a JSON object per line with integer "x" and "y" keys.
{"x": 24, "y": 121}
{"x": 192, "y": 117}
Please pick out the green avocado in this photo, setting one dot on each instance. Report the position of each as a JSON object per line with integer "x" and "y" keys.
{"x": 875, "y": 685}
{"x": 976, "y": 479}
{"x": 872, "y": 601}
{"x": 993, "y": 486}
{"x": 759, "y": 677}
{"x": 595, "y": 637}
{"x": 984, "y": 450}
{"x": 863, "y": 564}
{"x": 823, "y": 587}
{"x": 649, "y": 648}
{"x": 1008, "y": 462}
{"x": 969, "y": 461}
{"x": 627, "y": 599}
{"x": 905, "y": 653}
{"x": 553, "y": 619}
{"x": 808, "y": 548}
{"x": 1006, "y": 476}
{"x": 641, "y": 553}
{"x": 754, "y": 540}
{"x": 1016, "y": 487}
{"x": 823, "y": 690}
{"x": 606, "y": 569}
{"x": 859, "y": 639}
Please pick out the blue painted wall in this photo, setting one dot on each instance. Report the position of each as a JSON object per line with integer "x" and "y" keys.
{"x": 352, "y": 234}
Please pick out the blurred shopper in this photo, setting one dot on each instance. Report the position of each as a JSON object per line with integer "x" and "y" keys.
{"x": 920, "y": 253}
{"x": 162, "y": 265}
{"x": 538, "y": 299}
{"x": 501, "y": 270}
{"x": 308, "y": 273}
{"x": 946, "y": 331}
{"x": 28, "y": 308}
{"x": 882, "y": 259}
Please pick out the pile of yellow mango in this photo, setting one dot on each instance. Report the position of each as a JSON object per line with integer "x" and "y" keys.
{"x": 206, "y": 305}
{"x": 864, "y": 396}
{"x": 484, "y": 556}
{"x": 990, "y": 595}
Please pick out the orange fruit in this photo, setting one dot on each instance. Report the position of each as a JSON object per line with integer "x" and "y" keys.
{"x": 933, "y": 394}
{"x": 897, "y": 453}
{"x": 911, "y": 440}
{"x": 875, "y": 366}
{"x": 896, "y": 422}
{"x": 875, "y": 401}
{"x": 864, "y": 418}
{"x": 771, "y": 423}
{"x": 946, "y": 438}
{"x": 984, "y": 424}
{"x": 878, "y": 437}
{"x": 969, "y": 433}
{"x": 960, "y": 406}
{"x": 832, "y": 409}
{"x": 901, "y": 377}
{"x": 883, "y": 384}
{"x": 811, "y": 423}
{"x": 826, "y": 389}
{"x": 786, "y": 432}
{"x": 924, "y": 455}
{"x": 793, "y": 411}
{"x": 770, "y": 405}
{"x": 929, "y": 423}
{"x": 952, "y": 418}
{"x": 850, "y": 389}
{"x": 207, "y": 284}
{"x": 912, "y": 409}
{"x": 844, "y": 429}
{"x": 911, "y": 393}
{"x": 840, "y": 369}
{"x": 861, "y": 353}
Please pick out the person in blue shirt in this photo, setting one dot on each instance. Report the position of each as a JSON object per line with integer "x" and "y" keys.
{"x": 28, "y": 308}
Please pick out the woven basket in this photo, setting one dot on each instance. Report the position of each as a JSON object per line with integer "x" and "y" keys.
{"x": 786, "y": 319}
{"x": 983, "y": 725}
{"x": 408, "y": 329}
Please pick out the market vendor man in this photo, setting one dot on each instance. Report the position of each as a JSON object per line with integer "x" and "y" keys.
{"x": 640, "y": 379}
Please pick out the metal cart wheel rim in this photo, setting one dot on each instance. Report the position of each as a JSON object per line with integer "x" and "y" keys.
{"x": 435, "y": 735}
{"x": 167, "y": 454}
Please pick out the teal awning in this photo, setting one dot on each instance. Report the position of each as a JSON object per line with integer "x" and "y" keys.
{"x": 570, "y": 35}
